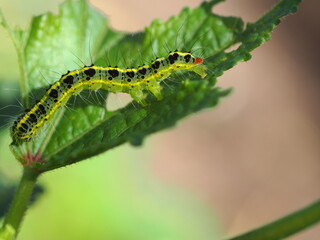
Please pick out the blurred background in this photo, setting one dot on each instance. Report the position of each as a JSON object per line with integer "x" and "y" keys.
{"x": 254, "y": 158}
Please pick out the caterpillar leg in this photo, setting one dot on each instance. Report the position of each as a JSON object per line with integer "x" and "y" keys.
{"x": 200, "y": 70}
{"x": 156, "y": 91}
{"x": 138, "y": 96}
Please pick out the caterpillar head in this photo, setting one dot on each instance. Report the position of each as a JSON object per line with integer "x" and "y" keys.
{"x": 188, "y": 62}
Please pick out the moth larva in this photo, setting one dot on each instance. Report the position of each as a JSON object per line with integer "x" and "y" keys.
{"x": 113, "y": 79}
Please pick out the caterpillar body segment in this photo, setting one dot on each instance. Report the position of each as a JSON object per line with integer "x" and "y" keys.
{"x": 132, "y": 81}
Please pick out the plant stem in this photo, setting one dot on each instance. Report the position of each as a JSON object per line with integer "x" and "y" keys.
{"x": 285, "y": 226}
{"x": 21, "y": 199}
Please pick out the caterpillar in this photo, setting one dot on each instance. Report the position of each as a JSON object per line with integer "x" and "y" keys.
{"x": 113, "y": 79}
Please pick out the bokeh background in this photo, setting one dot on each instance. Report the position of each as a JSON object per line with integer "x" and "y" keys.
{"x": 254, "y": 158}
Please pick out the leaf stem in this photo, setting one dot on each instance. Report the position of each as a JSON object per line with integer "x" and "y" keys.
{"x": 285, "y": 226}
{"x": 21, "y": 200}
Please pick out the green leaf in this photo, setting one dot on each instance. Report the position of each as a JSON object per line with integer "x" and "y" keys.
{"x": 89, "y": 129}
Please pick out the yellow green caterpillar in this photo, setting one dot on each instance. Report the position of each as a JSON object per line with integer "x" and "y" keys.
{"x": 112, "y": 79}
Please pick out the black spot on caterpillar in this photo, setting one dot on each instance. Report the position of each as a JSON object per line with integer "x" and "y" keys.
{"x": 147, "y": 77}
